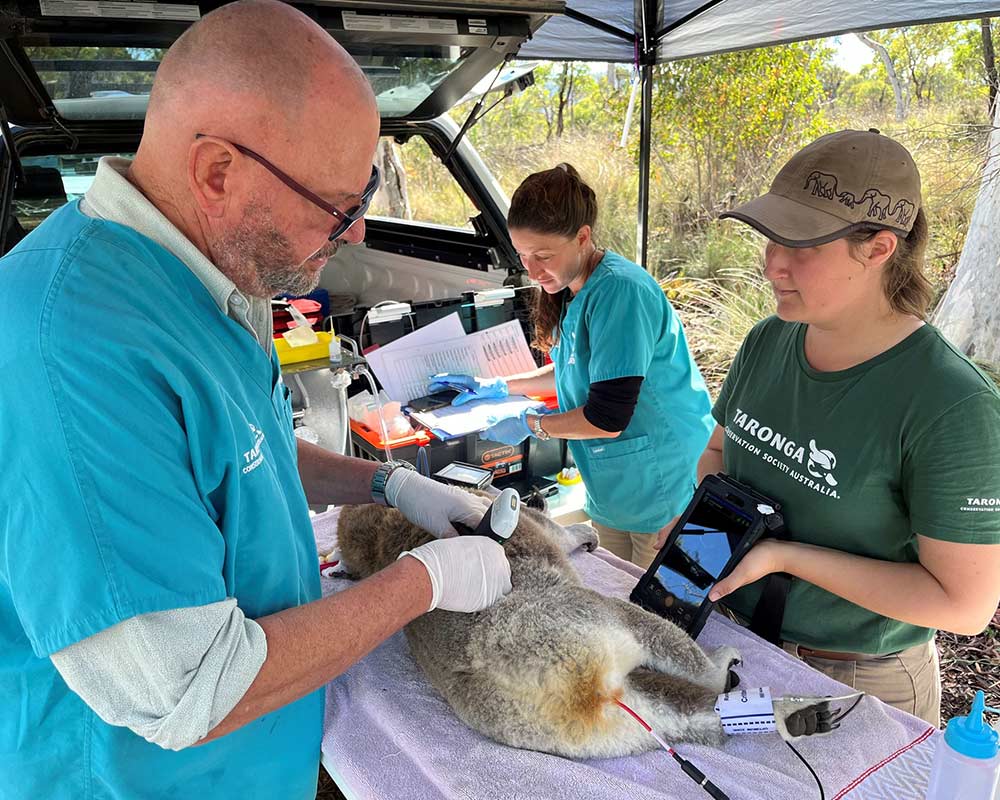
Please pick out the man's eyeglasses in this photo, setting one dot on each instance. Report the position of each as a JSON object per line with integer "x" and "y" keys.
{"x": 345, "y": 219}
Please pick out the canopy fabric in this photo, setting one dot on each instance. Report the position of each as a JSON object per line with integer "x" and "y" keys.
{"x": 728, "y": 25}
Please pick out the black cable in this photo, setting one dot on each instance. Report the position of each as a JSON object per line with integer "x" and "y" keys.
{"x": 819, "y": 783}
{"x": 837, "y": 720}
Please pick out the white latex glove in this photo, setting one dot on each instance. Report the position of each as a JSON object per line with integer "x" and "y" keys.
{"x": 433, "y": 505}
{"x": 468, "y": 573}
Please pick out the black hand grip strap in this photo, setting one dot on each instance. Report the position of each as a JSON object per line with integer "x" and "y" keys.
{"x": 770, "y": 610}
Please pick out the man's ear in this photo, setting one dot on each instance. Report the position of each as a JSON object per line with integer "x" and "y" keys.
{"x": 584, "y": 235}
{"x": 210, "y": 163}
{"x": 881, "y": 247}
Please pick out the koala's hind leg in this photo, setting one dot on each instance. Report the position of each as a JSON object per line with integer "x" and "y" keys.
{"x": 676, "y": 709}
{"x": 668, "y": 649}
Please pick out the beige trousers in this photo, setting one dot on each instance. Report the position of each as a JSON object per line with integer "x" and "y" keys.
{"x": 909, "y": 680}
{"x": 639, "y": 548}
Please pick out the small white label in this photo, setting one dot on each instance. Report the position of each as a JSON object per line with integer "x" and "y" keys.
{"x": 121, "y": 9}
{"x": 480, "y": 22}
{"x": 353, "y": 21}
{"x": 478, "y": 30}
{"x": 746, "y": 711}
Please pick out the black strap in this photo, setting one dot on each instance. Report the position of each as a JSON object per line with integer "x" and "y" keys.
{"x": 770, "y": 610}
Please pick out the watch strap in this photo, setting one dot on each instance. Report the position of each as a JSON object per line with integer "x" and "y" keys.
{"x": 535, "y": 421}
{"x": 381, "y": 478}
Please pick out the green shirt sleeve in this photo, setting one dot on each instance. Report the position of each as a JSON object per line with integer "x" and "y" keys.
{"x": 952, "y": 474}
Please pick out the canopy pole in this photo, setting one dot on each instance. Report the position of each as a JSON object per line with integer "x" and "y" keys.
{"x": 645, "y": 144}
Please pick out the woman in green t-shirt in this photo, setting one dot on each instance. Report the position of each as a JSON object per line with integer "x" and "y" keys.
{"x": 878, "y": 438}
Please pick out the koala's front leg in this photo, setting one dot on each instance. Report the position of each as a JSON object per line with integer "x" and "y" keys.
{"x": 579, "y": 534}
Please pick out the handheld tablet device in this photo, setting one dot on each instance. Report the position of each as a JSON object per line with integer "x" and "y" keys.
{"x": 721, "y": 523}
{"x": 430, "y": 402}
{"x": 468, "y": 476}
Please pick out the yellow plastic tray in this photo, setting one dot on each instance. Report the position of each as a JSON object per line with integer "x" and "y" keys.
{"x": 310, "y": 352}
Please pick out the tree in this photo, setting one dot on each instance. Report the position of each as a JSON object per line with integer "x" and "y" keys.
{"x": 989, "y": 62}
{"x": 735, "y": 115}
{"x": 393, "y": 186}
{"x": 890, "y": 69}
{"x": 919, "y": 56}
{"x": 969, "y": 314}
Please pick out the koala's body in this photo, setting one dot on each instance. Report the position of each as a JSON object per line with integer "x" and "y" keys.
{"x": 542, "y": 668}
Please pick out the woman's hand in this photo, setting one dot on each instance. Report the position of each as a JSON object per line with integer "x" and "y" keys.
{"x": 469, "y": 387}
{"x": 661, "y": 537}
{"x": 764, "y": 558}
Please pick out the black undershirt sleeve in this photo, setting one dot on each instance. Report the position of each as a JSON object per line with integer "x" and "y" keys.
{"x": 610, "y": 404}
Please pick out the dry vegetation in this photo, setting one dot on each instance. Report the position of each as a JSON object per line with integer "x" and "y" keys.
{"x": 710, "y": 269}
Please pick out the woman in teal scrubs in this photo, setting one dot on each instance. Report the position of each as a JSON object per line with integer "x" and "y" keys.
{"x": 631, "y": 400}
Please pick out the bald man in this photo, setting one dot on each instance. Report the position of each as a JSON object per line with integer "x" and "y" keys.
{"x": 158, "y": 576}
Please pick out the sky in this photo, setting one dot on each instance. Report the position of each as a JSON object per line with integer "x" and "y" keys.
{"x": 850, "y": 53}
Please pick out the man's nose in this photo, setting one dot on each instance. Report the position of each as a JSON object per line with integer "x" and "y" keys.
{"x": 355, "y": 234}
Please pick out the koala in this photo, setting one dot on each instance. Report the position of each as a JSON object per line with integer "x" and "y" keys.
{"x": 542, "y": 669}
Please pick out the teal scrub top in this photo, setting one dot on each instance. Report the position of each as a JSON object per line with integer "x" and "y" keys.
{"x": 620, "y": 324}
{"x": 149, "y": 464}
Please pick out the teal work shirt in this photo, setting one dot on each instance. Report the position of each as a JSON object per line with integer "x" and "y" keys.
{"x": 621, "y": 324}
{"x": 149, "y": 465}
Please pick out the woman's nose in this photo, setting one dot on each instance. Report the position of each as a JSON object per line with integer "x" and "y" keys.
{"x": 775, "y": 261}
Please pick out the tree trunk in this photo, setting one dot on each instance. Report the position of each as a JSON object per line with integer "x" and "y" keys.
{"x": 612, "y": 76}
{"x": 989, "y": 59}
{"x": 890, "y": 69}
{"x": 969, "y": 314}
{"x": 565, "y": 87}
{"x": 393, "y": 180}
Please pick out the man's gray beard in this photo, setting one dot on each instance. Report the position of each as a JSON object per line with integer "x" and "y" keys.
{"x": 258, "y": 258}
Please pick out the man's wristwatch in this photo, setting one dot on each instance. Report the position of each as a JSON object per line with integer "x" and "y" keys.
{"x": 381, "y": 478}
{"x": 535, "y": 423}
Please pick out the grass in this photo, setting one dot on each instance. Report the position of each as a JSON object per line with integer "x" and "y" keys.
{"x": 711, "y": 270}
{"x": 717, "y": 314}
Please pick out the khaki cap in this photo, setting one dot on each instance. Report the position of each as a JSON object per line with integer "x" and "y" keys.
{"x": 840, "y": 183}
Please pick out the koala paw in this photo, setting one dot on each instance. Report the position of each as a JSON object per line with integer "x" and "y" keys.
{"x": 584, "y": 536}
{"x": 725, "y": 658}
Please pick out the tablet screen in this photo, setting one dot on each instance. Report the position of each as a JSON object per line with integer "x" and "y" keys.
{"x": 688, "y": 568}
{"x": 464, "y": 474}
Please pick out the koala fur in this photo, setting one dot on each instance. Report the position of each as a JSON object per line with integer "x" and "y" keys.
{"x": 542, "y": 668}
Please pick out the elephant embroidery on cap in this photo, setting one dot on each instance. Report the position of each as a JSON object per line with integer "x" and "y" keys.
{"x": 823, "y": 184}
{"x": 880, "y": 203}
{"x": 848, "y": 199}
{"x": 903, "y": 211}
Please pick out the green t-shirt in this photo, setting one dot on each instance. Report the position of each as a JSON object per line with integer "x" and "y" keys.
{"x": 862, "y": 460}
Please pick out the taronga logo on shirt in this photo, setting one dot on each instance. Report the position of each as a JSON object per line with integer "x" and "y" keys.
{"x": 981, "y": 504}
{"x": 818, "y": 463}
{"x": 254, "y": 457}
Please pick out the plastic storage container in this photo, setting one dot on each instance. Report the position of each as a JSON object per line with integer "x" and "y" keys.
{"x": 967, "y": 760}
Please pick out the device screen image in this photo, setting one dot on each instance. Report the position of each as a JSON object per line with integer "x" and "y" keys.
{"x": 467, "y": 475}
{"x": 431, "y": 401}
{"x": 695, "y": 558}
{"x": 462, "y": 473}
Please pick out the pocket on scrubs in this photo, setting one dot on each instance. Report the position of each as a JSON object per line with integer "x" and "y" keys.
{"x": 625, "y": 482}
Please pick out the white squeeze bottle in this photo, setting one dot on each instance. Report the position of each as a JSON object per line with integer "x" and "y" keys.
{"x": 967, "y": 760}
